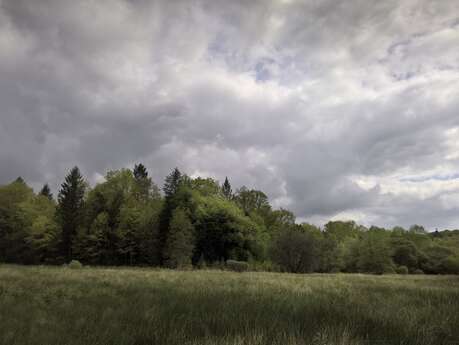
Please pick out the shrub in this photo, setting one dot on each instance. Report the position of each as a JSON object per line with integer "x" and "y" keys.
{"x": 401, "y": 270}
{"x": 262, "y": 266}
{"x": 75, "y": 264}
{"x": 451, "y": 265}
{"x": 418, "y": 271}
{"x": 237, "y": 266}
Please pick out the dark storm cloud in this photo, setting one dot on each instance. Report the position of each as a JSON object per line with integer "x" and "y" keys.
{"x": 335, "y": 108}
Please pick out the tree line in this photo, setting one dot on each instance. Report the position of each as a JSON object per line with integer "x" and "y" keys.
{"x": 198, "y": 222}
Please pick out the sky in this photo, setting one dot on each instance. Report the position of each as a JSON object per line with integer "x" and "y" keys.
{"x": 335, "y": 109}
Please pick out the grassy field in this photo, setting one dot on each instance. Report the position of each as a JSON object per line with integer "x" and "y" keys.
{"x": 51, "y": 305}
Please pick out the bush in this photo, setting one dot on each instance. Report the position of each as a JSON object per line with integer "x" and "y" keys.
{"x": 237, "y": 266}
{"x": 401, "y": 270}
{"x": 75, "y": 264}
{"x": 386, "y": 269}
{"x": 263, "y": 266}
{"x": 418, "y": 271}
{"x": 451, "y": 265}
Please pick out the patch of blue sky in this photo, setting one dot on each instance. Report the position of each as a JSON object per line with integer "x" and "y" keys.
{"x": 438, "y": 177}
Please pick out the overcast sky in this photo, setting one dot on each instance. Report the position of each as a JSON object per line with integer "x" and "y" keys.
{"x": 336, "y": 109}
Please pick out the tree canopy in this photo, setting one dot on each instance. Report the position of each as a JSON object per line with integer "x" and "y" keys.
{"x": 126, "y": 220}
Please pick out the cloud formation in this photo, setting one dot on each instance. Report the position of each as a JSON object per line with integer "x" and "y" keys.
{"x": 336, "y": 109}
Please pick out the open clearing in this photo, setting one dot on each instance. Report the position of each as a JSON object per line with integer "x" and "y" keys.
{"x": 54, "y": 305}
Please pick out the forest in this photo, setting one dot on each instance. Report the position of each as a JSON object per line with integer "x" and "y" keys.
{"x": 127, "y": 220}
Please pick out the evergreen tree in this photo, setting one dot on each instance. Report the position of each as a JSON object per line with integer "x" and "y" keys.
{"x": 170, "y": 188}
{"x": 226, "y": 189}
{"x": 70, "y": 209}
{"x": 140, "y": 172}
{"x": 172, "y": 183}
{"x": 144, "y": 185}
{"x": 46, "y": 191}
{"x": 180, "y": 243}
{"x": 20, "y": 180}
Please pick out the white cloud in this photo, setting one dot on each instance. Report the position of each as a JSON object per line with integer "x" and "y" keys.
{"x": 329, "y": 108}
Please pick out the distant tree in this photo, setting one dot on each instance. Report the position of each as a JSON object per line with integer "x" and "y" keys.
{"x": 20, "y": 180}
{"x": 70, "y": 208}
{"x": 13, "y": 222}
{"x": 145, "y": 189}
{"x": 417, "y": 229}
{"x": 140, "y": 172}
{"x": 180, "y": 243}
{"x": 277, "y": 220}
{"x": 46, "y": 191}
{"x": 205, "y": 186}
{"x": 252, "y": 201}
{"x": 295, "y": 250}
{"x": 226, "y": 189}
{"x": 170, "y": 188}
{"x": 172, "y": 183}
{"x": 405, "y": 253}
{"x": 372, "y": 253}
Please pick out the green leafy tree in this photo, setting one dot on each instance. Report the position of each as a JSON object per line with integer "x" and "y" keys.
{"x": 252, "y": 200}
{"x": 404, "y": 253}
{"x": 372, "y": 253}
{"x": 205, "y": 186}
{"x": 180, "y": 243}
{"x": 13, "y": 222}
{"x": 145, "y": 189}
{"x": 70, "y": 209}
{"x": 295, "y": 250}
{"x": 223, "y": 232}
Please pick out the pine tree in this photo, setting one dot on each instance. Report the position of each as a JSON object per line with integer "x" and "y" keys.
{"x": 144, "y": 185}
{"x": 226, "y": 189}
{"x": 180, "y": 243}
{"x": 171, "y": 186}
{"x": 20, "y": 180}
{"x": 70, "y": 209}
{"x": 46, "y": 191}
{"x": 172, "y": 183}
{"x": 140, "y": 172}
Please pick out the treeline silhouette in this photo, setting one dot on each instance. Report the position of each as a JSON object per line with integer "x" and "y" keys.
{"x": 197, "y": 222}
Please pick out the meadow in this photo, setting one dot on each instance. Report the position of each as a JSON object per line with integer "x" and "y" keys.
{"x": 57, "y": 305}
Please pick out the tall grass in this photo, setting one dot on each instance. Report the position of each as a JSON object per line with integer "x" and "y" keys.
{"x": 50, "y": 305}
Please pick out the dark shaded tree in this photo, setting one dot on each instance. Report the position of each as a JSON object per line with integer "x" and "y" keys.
{"x": 226, "y": 189}
{"x": 46, "y": 191}
{"x": 295, "y": 250}
{"x": 70, "y": 209}
{"x": 180, "y": 243}
{"x": 171, "y": 187}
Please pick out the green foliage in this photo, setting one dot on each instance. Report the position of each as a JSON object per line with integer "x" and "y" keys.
{"x": 237, "y": 266}
{"x": 401, "y": 270}
{"x": 205, "y": 186}
{"x": 223, "y": 232}
{"x": 28, "y": 231}
{"x": 252, "y": 201}
{"x": 295, "y": 250}
{"x": 46, "y": 192}
{"x": 75, "y": 265}
{"x": 124, "y": 220}
{"x": 180, "y": 243}
{"x": 71, "y": 209}
{"x": 371, "y": 253}
{"x": 405, "y": 253}
{"x": 226, "y": 189}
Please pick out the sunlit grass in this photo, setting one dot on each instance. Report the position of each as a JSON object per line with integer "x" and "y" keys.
{"x": 50, "y": 305}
